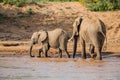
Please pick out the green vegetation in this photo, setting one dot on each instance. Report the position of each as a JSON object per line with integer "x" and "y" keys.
{"x": 93, "y": 5}
{"x": 30, "y": 11}
{"x": 1, "y": 0}
{"x": 20, "y": 3}
{"x": 2, "y": 16}
{"x": 102, "y": 5}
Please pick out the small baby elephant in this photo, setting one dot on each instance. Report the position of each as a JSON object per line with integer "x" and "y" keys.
{"x": 56, "y": 38}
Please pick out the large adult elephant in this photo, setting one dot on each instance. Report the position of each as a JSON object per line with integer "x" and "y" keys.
{"x": 56, "y": 38}
{"x": 89, "y": 30}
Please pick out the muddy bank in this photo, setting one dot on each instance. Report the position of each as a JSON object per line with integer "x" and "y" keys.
{"x": 22, "y": 47}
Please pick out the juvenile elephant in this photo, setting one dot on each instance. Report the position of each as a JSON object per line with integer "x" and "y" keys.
{"x": 56, "y": 38}
{"x": 89, "y": 30}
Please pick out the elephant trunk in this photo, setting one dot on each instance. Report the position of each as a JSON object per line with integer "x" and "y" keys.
{"x": 30, "y": 51}
{"x": 74, "y": 45}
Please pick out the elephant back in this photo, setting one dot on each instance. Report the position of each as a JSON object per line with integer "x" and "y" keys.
{"x": 53, "y": 37}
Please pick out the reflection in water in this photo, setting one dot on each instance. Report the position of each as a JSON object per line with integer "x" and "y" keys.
{"x": 25, "y": 68}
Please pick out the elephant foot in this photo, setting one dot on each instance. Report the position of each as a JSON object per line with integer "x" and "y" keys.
{"x": 38, "y": 56}
{"x": 46, "y": 55}
{"x": 73, "y": 56}
{"x": 93, "y": 55}
{"x": 60, "y": 57}
{"x": 68, "y": 56}
{"x": 98, "y": 58}
{"x": 83, "y": 56}
{"x": 32, "y": 56}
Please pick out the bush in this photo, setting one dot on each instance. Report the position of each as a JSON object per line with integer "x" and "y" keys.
{"x": 1, "y": 1}
{"x": 30, "y": 11}
{"x": 57, "y": 0}
{"x": 102, "y": 5}
{"x": 2, "y": 17}
{"x": 18, "y": 3}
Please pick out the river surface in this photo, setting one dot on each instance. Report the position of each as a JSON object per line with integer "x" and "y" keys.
{"x": 26, "y": 68}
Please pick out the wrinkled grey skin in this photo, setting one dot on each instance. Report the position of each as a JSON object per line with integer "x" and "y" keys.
{"x": 89, "y": 30}
{"x": 56, "y": 38}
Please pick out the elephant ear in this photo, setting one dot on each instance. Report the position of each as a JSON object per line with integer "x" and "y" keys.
{"x": 80, "y": 19}
{"x": 77, "y": 25}
{"x": 42, "y": 35}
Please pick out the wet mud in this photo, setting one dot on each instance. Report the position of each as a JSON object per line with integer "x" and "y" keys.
{"x": 26, "y": 68}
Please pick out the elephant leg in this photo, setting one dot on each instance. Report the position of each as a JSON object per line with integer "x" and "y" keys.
{"x": 67, "y": 53}
{"x": 101, "y": 43}
{"x": 45, "y": 52}
{"x": 99, "y": 55}
{"x": 83, "y": 54}
{"x": 92, "y": 48}
{"x": 75, "y": 46}
{"x": 39, "y": 52}
{"x": 46, "y": 47}
{"x": 98, "y": 49}
{"x": 60, "y": 53}
{"x": 46, "y": 55}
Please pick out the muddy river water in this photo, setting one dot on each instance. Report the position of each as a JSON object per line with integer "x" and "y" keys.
{"x": 26, "y": 68}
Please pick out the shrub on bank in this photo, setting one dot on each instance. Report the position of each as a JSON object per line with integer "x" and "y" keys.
{"x": 102, "y": 5}
{"x": 19, "y": 3}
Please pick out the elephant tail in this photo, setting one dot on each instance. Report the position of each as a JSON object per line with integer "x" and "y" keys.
{"x": 105, "y": 48}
